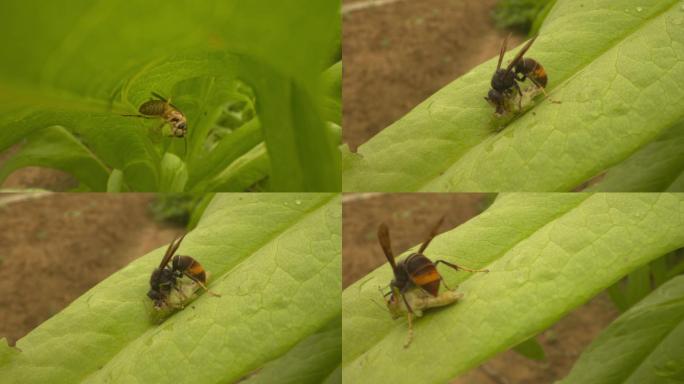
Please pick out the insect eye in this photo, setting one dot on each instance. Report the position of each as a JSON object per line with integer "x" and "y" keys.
{"x": 494, "y": 96}
{"x": 181, "y": 126}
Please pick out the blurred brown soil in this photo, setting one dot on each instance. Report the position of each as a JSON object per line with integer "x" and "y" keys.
{"x": 54, "y": 247}
{"x": 409, "y": 217}
{"x": 36, "y": 177}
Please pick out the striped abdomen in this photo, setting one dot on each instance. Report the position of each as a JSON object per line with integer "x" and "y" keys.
{"x": 532, "y": 69}
{"x": 153, "y": 108}
{"x": 423, "y": 273}
{"x": 189, "y": 266}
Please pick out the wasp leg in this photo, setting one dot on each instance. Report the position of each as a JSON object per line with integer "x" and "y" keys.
{"x": 546, "y": 95}
{"x": 202, "y": 285}
{"x": 521, "y": 96}
{"x": 409, "y": 337}
{"x": 401, "y": 293}
{"x": 457, "y": 267}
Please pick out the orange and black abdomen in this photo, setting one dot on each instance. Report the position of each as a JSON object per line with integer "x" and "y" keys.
{"x": 531, "y": 68}
{"x": 190, "y": 266}
{"x": 153, "y": 108}
{"x": 423, "y": 273}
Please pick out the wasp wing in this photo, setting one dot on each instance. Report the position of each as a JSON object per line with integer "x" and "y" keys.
{"x": 170, "y": 251}
{"x": 520, "y": 54}
{"x": 502, "y": 52}
{"x": 384, "y": 239}
{"x": 162, "y": 98}
{"x": 432, "y": 234}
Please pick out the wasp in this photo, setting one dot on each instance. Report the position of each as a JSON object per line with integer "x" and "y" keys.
{"x": 505, "y": 81}
{"x": 167, "y": 286}
{"x": 416, "y": 280}
{"x": 159, "y": 107}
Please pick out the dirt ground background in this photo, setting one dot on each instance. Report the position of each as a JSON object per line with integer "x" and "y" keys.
{"x": 398, "y": 53}
{"x": 409, "y": 217}
{"x": 54, "y": 247}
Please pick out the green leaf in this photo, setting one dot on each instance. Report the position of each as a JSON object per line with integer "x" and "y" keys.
{"x": 547, "y": 254}
{"x": 654, "y": 167}
{"x": 616, "y": 66}
{"x": 55, "y": 147}
{"x": 174, "y": 174}
{"x": 644, "y": 345}
{"x": 99, "y": 61}
{"x": 311, "y": 361}
{"x": 531, "y": 349}
{"x": 115, "y": 181}
{"x": 243, "y": 172}
{"x": 226, "y": 152}
{"x": 273, "y": 258}
{"x": 332, "y": 84}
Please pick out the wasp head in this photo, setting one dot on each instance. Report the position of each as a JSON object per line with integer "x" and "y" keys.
{"x": 496, "y": 100}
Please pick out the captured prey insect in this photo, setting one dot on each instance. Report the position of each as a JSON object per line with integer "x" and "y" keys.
{"x": 505, "y": 81}
{"x": 169, "y": 114}
{"x": 168, "y": 289}
{"x": 416, "y": 282}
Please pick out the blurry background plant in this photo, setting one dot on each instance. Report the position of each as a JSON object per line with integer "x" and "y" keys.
{"x": 255, "y": 79}
{"x": 523, "y": 15}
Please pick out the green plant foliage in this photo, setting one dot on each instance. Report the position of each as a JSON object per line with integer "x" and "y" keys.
{"x": 246, "y": 75}
{"x": 547, "y": 254}
{"x": 644, "y": 345}
{"x": 518, "y": 13}
{"x": 641, "y": 282}
{"x": 179, "y": 207}
{"x": 615, "y": 65}
{"x": 273, "y": 258}
{"x": 658, "y": 166}
{"x": 531, "y": 349}
{"x": 311, "y": 361}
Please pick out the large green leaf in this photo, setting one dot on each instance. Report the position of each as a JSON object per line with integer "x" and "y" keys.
{"x": 311, "y": 361}
{"x": 644, "y": 345}
{"x": 616, "y": 66}
{"x": 97, "y": 61}
{"x": 547, "y": 253}
{"x": 273, "y": 258}
{"x": 655, "y": 167}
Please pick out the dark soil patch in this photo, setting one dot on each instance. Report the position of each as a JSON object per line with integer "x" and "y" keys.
{"x": 57, "y": 246}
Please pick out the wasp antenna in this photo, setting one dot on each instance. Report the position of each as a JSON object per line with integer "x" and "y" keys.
{"x": 158, "y": 96}
{"x": 141, "y": 116}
